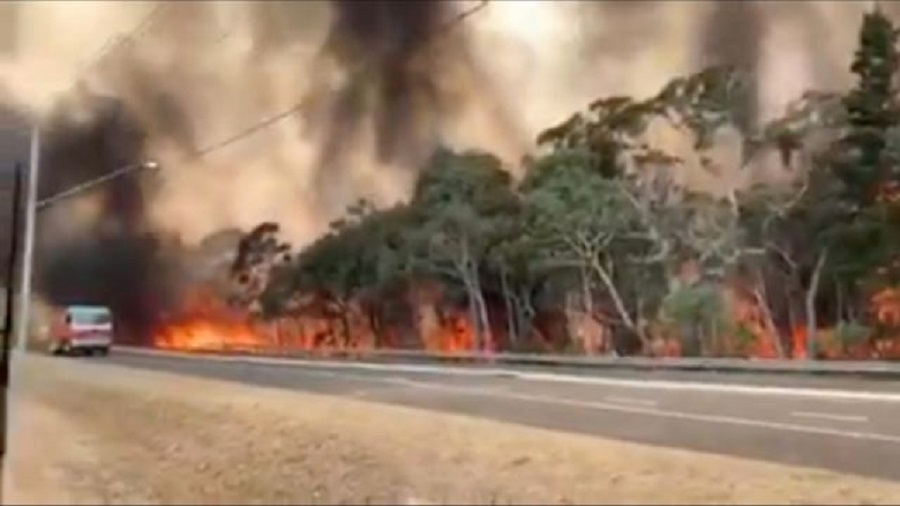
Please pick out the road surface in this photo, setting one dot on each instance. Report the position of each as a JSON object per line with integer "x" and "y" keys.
{"x": 839, "y": 424}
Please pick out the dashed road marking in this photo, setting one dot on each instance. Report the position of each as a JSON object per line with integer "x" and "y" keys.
{"x": 630, "y": 400}
{"x": 830, "y": 416}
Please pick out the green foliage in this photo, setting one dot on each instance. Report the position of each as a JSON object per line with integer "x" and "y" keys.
{"x": 703, "y": 102}
{"x": 697, "y": 313}
{"x": 573, "y": 210}
{"x": 612, "y": 128}
{"x": 697, "y": 303}
{"x": 745, "y": 336}
{"x": 851, "y": 333}
{"x": 872, "y": 110}
{"x": 461, "y": 207}
{"x": 861, "y": 159}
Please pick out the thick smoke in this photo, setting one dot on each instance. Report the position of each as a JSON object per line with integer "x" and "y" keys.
{"x": 358, "y": 93}
{"x": 389, "y": 88}
{"x": 114, "y": 260}
{"x": 734, "y": 37}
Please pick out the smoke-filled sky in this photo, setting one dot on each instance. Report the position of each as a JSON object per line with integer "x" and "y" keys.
{"x": 368, "y": 88}
{"x": 377, "y": 89}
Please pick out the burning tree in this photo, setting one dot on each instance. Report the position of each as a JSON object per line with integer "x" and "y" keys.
{"x": 459, "y": 207}
{"x": 578, "y": 217}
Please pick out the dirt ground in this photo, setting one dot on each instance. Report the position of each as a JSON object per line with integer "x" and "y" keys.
{"x": 84, "y": 433}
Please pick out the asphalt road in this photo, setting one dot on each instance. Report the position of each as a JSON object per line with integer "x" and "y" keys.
{"x": 840, "y": 424}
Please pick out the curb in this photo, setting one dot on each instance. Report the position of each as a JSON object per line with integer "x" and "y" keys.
{"x": 857, "y": 369}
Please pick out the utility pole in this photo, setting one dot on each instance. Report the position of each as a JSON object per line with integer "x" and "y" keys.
{"x": 24, "y": 306}
{"x": 8, "y": 320}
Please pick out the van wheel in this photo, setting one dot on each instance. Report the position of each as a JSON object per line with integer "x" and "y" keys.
{"x": 102, "y": 352}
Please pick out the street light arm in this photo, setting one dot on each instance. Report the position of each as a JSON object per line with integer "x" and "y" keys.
{"x": 95, "y": 182}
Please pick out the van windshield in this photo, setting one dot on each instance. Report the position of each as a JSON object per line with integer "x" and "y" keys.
{"x": 90, "y": 316}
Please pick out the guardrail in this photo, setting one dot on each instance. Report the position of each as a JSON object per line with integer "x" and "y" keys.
{"x": 873, "y": 369}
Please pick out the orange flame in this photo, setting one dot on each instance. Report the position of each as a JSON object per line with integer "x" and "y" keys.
{"x": 455, "y": 335}
{"x": 885, "y": 306}
{"x": 207, "y": 324}
{"x": 203, "y": 334}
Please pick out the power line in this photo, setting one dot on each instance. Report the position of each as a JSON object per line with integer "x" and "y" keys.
{"x": 362, "y": 70}
{"x": 146, "y": 22}
{"x": 250, "y": 130}
{"x": 118, "y": 40}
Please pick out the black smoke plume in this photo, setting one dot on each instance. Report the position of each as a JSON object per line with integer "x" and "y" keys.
{"x": 116, "y": 261}
{"x": 393, "y": 88}
{"x": 733, "y": 36}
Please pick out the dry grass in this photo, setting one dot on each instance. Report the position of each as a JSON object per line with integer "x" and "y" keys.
{"x": 87, "y": 433}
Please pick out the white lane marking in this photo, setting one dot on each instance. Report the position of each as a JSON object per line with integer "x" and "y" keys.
{"x": 418, "y": 384}
{"x": 325, "y": 364}
{"x": 629, "y": 400}
{"x": 815, "y": 393}
{"x": 678, "y": 415}
{"x": 830, "y": 416}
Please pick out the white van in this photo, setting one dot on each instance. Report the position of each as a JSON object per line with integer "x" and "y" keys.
{"x": 83, "y": 330}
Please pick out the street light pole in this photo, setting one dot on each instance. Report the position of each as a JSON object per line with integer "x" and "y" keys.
{"x": 28, "y": 246}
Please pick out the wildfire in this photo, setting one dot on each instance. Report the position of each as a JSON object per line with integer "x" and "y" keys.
{"x": 207, "y": 324}
{"x": 455, "y": 335}
{"x": 207, "y": 335}
{"x": 750, "y": 316}
{"x": 886, "y": 308}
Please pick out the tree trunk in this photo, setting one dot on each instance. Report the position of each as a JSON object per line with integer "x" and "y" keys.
{"x": 374, "y": 325}
{"x": 839, "y": 301}
{"x": 473, "y": 315}
{"x": 511, "y": 309}
{"x": 587, "y": 299}
{"x": 345, "y": 327}
{"x": 481, "y": 309}
{"x": 525, "y": 313}
{"x": 619, "y": 304}
{"x": 484, "y": 322}
{"x": 763, "y": 302}
{"x": 811, "y": 293}
{"x": 701, "y": 338}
